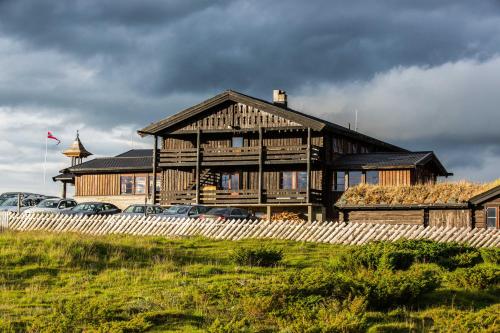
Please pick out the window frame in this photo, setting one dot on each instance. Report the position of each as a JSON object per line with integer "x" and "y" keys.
{"x": 336, "y": 181}
{"x": 350, "y": 180}
{"x": 238, "y": 137}
{"x": 230, "y": 181}
{"x": 496, "y": 209}
{"x": 377, "y": 172}
{"x": 295, "y": 176}
{"x": 132, "y": 184}
{"x": 147, "y": 188}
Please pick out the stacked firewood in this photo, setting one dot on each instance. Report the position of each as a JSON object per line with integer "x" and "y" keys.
{"x": 287, "y": 216}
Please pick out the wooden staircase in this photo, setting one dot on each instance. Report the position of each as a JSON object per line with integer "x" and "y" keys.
{"x": 206, "y": 178}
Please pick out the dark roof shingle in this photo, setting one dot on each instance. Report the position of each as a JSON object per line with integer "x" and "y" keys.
{"x": 388, "y": 161}
{"x": 132, "y": 160}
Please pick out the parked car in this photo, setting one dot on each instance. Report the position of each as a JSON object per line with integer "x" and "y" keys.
{"x": 54, "y": 205}
{"x": 191, "y": 211}
{"x": 93, "y": 208}
{"x": 142, "y": 210}
{"x": 7, "y": 195}
{"x": 226, "y": 213}
{"x": 10, "y": 204}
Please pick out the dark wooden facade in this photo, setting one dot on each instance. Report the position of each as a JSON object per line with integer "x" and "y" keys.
{"x": 272, "y": 156}
{"x": 486, "y": 209}
{"x": 481, "y": 211}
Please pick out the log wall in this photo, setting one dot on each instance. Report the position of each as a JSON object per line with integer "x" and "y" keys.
{"x": 414, "y": 217}
{"x": 456, "y": 218}
{"x": 395, "y": 177}
{"x": 97, "y": 184}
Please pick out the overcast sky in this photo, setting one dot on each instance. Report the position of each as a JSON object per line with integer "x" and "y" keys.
{"x": 422, "y": 74}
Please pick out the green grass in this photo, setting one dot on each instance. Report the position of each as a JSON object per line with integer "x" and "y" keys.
{"x": 74, "y": 283}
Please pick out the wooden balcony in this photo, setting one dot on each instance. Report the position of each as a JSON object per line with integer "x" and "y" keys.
{"x": 240, "y": 197}
{"x": 239, "y": 156}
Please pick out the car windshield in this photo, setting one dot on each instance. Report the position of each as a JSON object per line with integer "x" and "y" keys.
{"x": 10, "y": 202}
{"x": 177, "y": 210}
{"x": 48, "y": 203}
{"x": 134, "y": 209}
{"x": 217, "y": 211}
{"x": 85, "y": 207}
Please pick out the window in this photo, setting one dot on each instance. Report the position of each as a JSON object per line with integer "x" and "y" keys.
{"x": 339, "y": 181}
{"x": 491, "y": 217}
{"x": 126, "y": 184}
{"x": 158, "y": 184}
{"x": 140, "y": 185}
{"x": 293, "y": 180}
{"x": 372, "y": 177}
{"x": 136, "y": 184}
{"x": 237, "y": 142}
{"x": 287, "y": 180}
{"x": 354, "y": 178}
{"x": 302, "y": 180}
{"x": 230, "y": 181}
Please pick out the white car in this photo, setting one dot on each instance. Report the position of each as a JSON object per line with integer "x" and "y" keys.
{"x": 51, "y": 206}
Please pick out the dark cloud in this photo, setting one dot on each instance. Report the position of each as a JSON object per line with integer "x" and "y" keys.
{"x": 106, "y": 64}
{"x": 199, "y": 46}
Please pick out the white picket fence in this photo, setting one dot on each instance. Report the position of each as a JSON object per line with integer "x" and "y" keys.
{"x": 323, "y": 232}
{"x": 4, "y": 221}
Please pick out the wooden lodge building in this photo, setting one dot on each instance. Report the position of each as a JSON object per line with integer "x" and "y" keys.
{"x": 233, "y": 149}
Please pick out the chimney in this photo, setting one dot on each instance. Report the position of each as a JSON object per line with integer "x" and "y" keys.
{"x": 280, "y": 98}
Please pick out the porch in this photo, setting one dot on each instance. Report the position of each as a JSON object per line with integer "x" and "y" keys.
{"x": 241, "y": 197}
{"x": 239, "y": 155}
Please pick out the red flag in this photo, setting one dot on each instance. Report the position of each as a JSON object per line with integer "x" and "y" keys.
{"x": 50, "y": 136}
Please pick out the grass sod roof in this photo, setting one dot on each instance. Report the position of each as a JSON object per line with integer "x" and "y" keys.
{"x": 441, "y": 193}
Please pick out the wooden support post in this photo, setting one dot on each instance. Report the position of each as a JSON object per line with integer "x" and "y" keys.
{"x": 261, "y": 161}
{"x": 308, "y": 194}
{"x": 346, "y": 180}
{"x": 19, "y": 199}
{"x": 310, "y": 212}
{"x": 269, "y": 213}
{"x": 198, "y": 162}
{"x": 64, "y": 184}
{"x": 155, "y": 165}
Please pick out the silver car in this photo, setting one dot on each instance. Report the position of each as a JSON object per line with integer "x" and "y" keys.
{"x": 51, "y": 206}
{"x": 10, "y": 205}
{"x": 134, "y": 210}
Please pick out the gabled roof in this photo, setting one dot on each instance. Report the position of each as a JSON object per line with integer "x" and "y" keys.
{"x": 132, "y": 160}
{"x": 281, "y": 111}
{"x": 396, "y": 160}
{"x": 137, "y": 153}
{"x": 485, "y": 196}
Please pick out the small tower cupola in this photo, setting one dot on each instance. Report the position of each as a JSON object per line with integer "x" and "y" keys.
{"x": 77, "y": 151}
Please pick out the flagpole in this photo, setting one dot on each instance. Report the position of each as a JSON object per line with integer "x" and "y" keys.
{"x": 45, "y": 159}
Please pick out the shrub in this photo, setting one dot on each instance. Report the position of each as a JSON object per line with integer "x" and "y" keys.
{"x": 447, "y": 255}
{"x": 396, "y": 259}
{"x": 264, "y": 257}
{"x": 478, "y": 277}
{"x": 386, "y": 288}
{"x": 321, "y": 282}
{"x": 454, "y": 320}
{"x": 329, "y": 316}
{"x": 491, "y": 255}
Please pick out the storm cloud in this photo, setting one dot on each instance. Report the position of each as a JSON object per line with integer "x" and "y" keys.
{"x": 423, "y": 74}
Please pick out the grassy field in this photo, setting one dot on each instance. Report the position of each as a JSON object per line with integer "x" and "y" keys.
{"x": 72, "y": 283}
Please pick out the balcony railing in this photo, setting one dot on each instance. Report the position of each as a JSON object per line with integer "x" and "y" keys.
{"x": 238, "y": 155}
{"x": 229, "y": 197}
